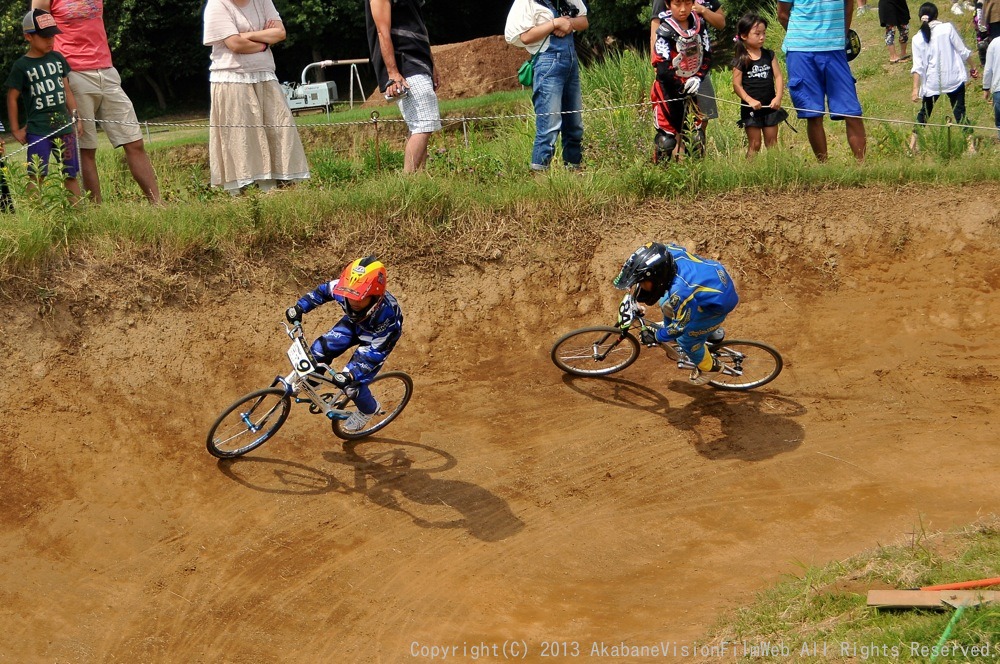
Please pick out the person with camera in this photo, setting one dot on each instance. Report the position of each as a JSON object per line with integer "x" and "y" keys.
{"x": 545, "y": 29}
{"x": 400, "y": 50}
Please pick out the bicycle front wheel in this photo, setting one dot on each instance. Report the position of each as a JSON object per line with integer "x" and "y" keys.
{"x": 248, "y": 423}
{"x": 746, "y": 365}
{"x": 392, "y": 390}
{"x": 595, "y": 351}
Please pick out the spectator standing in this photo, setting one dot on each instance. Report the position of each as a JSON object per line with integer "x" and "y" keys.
{"x": 712, "y": 13}
{"x": 545, "y": 28}
{"x": 939, "y": 57}
{"x": 757, "y": 81}
{"x": 253, "y": 138}
{"x": 38, "y": 79}
{"x": 894, "y": 15}
{"x": 982, "y": 30}
{"x": 991, "y": 80}
{"x": 97, "y": 88}
{"x": 818, "y": 73}
{"x": 991, "y": 17}
{"x": 681, "y": 57}
{"x": 6, "y": 202}
{"x": 400, "y": 50}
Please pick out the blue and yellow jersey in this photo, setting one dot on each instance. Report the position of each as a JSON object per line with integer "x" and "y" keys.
{"x": 701, "y": 289}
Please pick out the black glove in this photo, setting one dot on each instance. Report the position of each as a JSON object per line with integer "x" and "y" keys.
{"x": 294, "y": 314}
{"x": 342, "y": 379}
{"x": 648, "y": 336}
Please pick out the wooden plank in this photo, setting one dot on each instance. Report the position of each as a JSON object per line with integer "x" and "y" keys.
{"x": 930, "y": 598}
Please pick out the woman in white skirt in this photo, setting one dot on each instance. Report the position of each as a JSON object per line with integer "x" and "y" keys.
{"x": 253, "y": 138}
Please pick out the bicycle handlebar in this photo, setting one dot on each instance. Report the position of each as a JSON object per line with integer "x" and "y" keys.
{"x": 295, "y": 332}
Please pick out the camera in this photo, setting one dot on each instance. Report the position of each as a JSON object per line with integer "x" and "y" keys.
{"x": 569, "y": 11}
{"x": 405, "y": 92}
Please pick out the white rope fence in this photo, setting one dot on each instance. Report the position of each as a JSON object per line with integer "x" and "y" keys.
{"x": 376, "y": 119}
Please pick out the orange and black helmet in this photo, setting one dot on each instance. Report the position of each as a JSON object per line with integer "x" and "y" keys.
{"x": 361, "y": 279}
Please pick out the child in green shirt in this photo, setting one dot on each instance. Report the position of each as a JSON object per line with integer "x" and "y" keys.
{"x": 38, "y": 80}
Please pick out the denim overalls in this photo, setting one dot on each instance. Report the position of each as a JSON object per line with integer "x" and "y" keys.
{"x": 555, "y": 89}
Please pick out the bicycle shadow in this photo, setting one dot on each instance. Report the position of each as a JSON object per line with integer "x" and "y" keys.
{"x": 750, "y": 426}
{"x": 385, "y": 471}
{"x": 279, "y": 476}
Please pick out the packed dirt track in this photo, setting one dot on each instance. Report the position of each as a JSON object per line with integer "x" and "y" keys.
{"x": 510, "y": 502}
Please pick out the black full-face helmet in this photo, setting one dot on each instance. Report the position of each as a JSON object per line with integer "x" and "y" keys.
{"x": 649, "y": 263}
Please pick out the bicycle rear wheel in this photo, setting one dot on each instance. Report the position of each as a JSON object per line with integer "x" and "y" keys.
{"x": 248, "y": 423}
{"x": 392, "y": 390}
{"x": 595, "y": 351}
{"x": 752, "y": 364}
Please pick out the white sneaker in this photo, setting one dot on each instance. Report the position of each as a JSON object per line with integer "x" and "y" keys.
{"x": 956, "y": 9}
{"x": 968, "y": 6}
{"x": 357, "y": 420}
{"x": 699, "y": 377}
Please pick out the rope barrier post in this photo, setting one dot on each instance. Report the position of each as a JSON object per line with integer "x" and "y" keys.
{"x": 378, "y": 148}
{"x": 465, "y": 131}
{"x": 149, "y": 138}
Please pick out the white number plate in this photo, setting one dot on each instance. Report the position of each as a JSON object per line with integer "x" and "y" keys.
{"x": 300, "y": 358}
{"x": 627, "y": 311}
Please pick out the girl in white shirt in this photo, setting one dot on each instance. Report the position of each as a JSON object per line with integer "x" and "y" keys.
{"x": 939, "y": 57}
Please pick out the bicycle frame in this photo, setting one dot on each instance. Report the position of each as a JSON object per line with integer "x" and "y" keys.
{"x": 630, "y": 314}
{"x": 305, "y": 369}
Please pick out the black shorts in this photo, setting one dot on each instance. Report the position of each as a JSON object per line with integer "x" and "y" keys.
{"x": 764, "y": 117}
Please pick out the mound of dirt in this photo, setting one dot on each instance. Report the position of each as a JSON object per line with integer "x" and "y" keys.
{"x": 510, "y": 501}
{"x": 473, "y": 68}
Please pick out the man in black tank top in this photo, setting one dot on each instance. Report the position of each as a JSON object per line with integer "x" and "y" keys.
{"x": 400, "y": 50}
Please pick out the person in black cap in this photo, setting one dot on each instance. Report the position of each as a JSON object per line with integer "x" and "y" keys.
{"x": 39, "y": 79}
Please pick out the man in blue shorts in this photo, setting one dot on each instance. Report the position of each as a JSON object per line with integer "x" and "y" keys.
{"x": 818, "y": 73}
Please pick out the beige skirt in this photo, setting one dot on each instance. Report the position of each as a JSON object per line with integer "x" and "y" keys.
{"x": 240, "y": 153}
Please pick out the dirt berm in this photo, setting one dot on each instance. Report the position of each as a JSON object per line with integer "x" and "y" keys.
{"x": 509, "y": 502}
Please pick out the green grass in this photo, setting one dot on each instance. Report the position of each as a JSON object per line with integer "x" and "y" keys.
{"x": 477, "y": 172}
{"x": 822, "y": 614}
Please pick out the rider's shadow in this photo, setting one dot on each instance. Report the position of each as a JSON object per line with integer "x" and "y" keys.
{"x": 751, "y": 426}
{"x": 385, "y": 471}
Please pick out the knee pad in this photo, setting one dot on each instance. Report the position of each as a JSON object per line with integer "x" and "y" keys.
{"x": 665, "y": 143}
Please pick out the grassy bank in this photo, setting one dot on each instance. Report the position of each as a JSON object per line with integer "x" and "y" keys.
{"x": 477, "y": 197}
{"x": 822, "y": 615}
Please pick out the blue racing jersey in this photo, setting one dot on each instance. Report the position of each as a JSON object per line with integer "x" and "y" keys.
{"x": 701, "y": 289}
{"x": 375, "y": 336}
